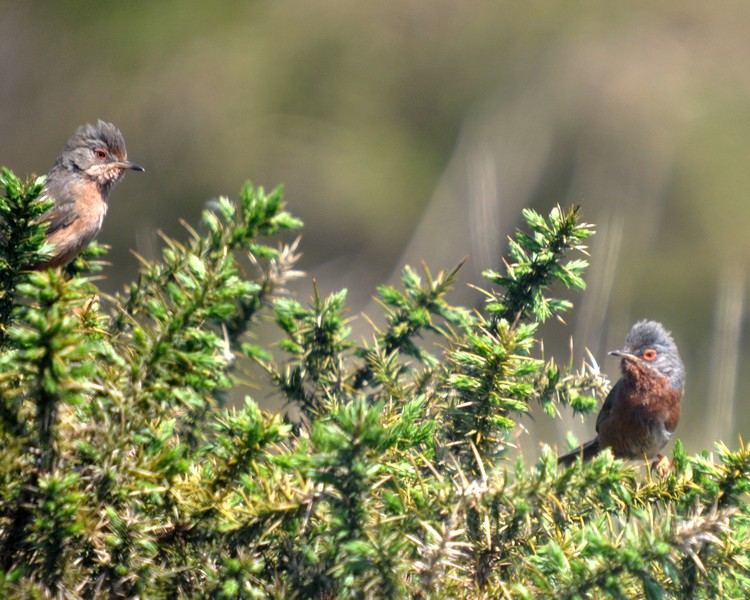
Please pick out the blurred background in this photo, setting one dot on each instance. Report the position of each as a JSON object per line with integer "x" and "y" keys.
{"x": 412, "y": 130}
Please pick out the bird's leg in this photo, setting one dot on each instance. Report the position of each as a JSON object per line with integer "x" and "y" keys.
{"x": 661, "y": 465}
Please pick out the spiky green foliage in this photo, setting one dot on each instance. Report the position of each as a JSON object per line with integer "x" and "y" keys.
{"x": 21, "y": 236}
{"x": 538, "y": 259}
{"x": 123, "y": 473}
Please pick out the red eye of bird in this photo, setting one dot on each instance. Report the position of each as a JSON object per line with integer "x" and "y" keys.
{"x": 649, "y": 354}
{"x": 102, "y": 154}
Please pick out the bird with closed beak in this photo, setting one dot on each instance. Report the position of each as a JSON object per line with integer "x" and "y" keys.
{"x": 641, "y": 411}
{"x": 92, "y": 162}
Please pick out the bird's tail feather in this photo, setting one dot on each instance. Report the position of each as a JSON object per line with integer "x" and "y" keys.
{"x": 586, "y": 451}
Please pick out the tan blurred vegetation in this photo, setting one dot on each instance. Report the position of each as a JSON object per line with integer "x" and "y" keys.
{"x": 418, "y": 130}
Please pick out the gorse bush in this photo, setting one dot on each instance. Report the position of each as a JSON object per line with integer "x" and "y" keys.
{"x": 123, "y": 473}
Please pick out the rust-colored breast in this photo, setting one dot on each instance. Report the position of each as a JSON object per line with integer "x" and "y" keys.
{"x": 83, "y": 215}
{"x": 643, "y": 415}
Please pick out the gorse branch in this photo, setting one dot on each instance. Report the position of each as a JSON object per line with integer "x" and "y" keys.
{"x": 409, "y": 314}
{"x": 536, "y": 261}
{"x": 21, "y": 236}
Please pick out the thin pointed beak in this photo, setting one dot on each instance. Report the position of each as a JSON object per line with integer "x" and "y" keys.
{"x": 624, "y": 355}
{"x": 126, "y": 164}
